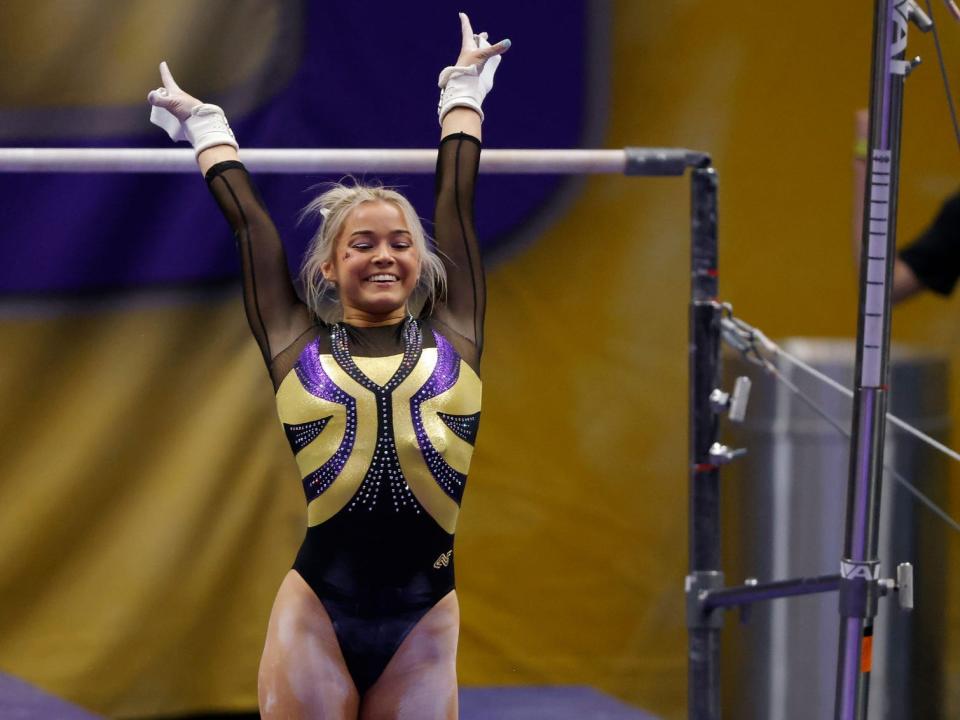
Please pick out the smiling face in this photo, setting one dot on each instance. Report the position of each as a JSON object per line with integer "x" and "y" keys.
{"x": 374, "y": 264}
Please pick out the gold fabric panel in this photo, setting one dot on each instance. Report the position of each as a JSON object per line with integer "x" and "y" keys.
{"x": 295, "y": 405}
{"x": 379, "y": 369}
{"x": 422, "y": 483}
{"x": 307, "y": 407}
{"x": 464, "y": 398}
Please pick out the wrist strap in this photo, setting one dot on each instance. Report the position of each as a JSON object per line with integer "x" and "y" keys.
{"x": 207, "y": 126}
{"x": 460, "y": 87}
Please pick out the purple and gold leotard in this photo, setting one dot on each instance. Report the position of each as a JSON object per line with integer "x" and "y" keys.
{"x": 382, "y": 421}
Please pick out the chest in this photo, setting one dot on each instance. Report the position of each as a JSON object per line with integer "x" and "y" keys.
{"x": 424, "y": 403}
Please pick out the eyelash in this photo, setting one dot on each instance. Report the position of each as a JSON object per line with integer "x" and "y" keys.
{"x": 368, "y": 246}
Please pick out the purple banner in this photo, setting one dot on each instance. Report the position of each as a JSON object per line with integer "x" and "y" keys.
{"x": 336, "y": 75}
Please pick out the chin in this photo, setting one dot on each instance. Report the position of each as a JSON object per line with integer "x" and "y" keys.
{"x": 383, "y": 306}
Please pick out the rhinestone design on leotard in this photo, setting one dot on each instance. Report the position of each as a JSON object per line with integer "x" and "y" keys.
{"x": 384, "y": 465}
{"x": 464, "y": 426}
{"x": 444, "y": 376}
{"x": 316, "y": 381}
{"x": 302, "y": 434}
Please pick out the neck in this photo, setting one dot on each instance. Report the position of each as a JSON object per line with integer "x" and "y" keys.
{"x": 358, "y": 318}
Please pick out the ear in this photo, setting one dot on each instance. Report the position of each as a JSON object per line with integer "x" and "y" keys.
{"x": 326, "y": 267}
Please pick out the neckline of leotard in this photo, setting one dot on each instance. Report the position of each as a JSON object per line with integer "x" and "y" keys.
{"x": 412, "y": 348}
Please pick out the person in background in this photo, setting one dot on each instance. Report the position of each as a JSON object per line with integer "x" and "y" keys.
{"x": 929, "y": 262}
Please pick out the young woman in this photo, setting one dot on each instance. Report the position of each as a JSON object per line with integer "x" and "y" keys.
{"x": 380, "y": 407}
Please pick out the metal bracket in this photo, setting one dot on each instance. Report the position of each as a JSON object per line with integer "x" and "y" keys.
{"x": 919, "y": 18}
{"x": 860, "y": 588}
{"x": 902, "y": 585}
{"x": 721, "y": 454}
{"x": 663, "y": 161}
{"x": 696, "y": 585}
{"x": 735, "y": 403}
{"x": 746, "y": 608}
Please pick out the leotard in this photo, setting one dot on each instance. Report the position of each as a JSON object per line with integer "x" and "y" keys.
{"x": 382, "y": 421}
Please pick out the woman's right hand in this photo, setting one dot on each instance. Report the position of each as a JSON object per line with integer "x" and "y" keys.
{"x": 185, "y": 118}
{"x": 170, "y": 97}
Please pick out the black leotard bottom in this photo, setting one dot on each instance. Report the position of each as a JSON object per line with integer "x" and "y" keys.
{"x": 374, "y": 588}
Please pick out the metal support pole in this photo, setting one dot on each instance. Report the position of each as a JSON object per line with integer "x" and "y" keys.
{"x": 745, "y": 595}
{"x": 860, "y": 567}
{"x": 703, "y": 627}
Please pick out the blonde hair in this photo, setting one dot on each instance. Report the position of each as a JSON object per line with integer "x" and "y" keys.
{"x": 332, "y": 208}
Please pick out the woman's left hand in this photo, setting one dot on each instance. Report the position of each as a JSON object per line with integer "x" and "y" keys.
{"x": 476, "y": 49}
{"x": 467, "y": 83}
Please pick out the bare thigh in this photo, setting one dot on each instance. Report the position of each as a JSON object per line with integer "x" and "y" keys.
{"x": 420, "y": 681}
{"x": 302, "y": 671}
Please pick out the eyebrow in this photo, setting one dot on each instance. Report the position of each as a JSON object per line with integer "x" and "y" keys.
{"x": 370, "y": 232}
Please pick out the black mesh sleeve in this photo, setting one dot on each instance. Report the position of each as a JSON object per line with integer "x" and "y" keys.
{"x": 934, "y": 257}
{"x": 463, "y": 308}
{"x": 276, "y": 315}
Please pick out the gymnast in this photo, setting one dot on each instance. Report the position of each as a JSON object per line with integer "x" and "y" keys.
{"x": 380, "y": 402}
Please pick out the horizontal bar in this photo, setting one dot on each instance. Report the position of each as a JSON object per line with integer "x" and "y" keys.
{"x": 631, "y": 161}
{"x": 748, "y": 594}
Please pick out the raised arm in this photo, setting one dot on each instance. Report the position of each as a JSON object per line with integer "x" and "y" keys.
{"x": 276, "y": 315}
{"x": 465, "y": 303}
{"x": 463, "y": 88}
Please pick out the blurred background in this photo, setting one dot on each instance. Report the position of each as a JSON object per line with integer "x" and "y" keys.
{"x": 149, "y": 505}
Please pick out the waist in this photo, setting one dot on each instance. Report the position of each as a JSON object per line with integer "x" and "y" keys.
{"x": 357, "y": 561}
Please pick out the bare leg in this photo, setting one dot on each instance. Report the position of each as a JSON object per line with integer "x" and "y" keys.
{"x": 420, "y": 681}
{"x": 302, "y": 671}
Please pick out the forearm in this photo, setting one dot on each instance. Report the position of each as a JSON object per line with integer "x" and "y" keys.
{"x": 905, "y": 282}
{"x": 216, "y": 154}
{"x": 461, "y": 120}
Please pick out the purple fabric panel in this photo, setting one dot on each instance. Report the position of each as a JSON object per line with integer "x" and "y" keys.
{"x": 355, "y": 83}
{"x": 444, "y": 376}
{"x": 316, "y": 381}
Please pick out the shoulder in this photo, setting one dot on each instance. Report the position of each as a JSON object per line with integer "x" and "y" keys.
{"x": 446, "y": 336}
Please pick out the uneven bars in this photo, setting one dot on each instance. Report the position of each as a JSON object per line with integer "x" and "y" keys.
{"x": 627, "y": 161}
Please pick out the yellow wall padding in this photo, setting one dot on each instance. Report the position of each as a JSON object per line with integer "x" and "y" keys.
{"x": 148, "y": 507}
